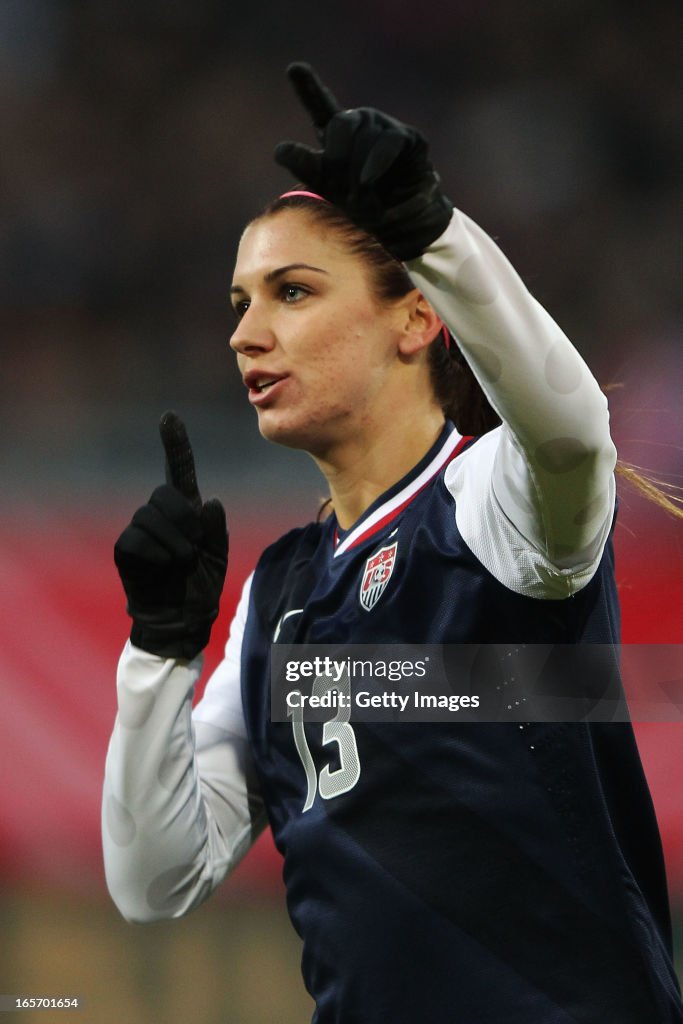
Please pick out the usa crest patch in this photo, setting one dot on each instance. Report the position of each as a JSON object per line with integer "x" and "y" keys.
{"x": 376, "y": 575}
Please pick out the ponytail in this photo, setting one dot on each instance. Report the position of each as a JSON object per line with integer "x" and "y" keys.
{"x": 464, "y": 402}
{"x": 457, "y": 390}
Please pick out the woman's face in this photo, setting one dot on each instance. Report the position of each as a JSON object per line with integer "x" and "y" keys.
{"x": 315, "y": 347}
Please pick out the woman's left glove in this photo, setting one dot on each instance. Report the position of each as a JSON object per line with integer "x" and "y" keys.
{"x": 373, "y": 167}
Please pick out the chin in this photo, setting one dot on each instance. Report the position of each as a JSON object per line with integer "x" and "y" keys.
{"x": 291, "y": 434}
{"x": 286, "y": 434}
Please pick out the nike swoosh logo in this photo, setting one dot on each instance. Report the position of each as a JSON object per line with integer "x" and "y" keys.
{"x": 283, "y": 618}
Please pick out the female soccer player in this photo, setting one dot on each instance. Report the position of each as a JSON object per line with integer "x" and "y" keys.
{"x": 507, "y": 872}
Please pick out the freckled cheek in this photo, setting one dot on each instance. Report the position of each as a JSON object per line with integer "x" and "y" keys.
{"x": 331, "y": 358}
{"x": 328, "y": 363}
{"x": 327, "y": 390}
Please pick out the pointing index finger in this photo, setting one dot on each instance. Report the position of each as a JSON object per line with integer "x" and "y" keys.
{"x": 315, "y": 97}
{"x": 180, "y": 470}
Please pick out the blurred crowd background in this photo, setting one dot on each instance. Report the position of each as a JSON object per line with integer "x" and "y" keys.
{"x": 135, "y": 143}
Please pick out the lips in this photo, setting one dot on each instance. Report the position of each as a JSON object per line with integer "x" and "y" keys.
{"x": 262, "y": 384}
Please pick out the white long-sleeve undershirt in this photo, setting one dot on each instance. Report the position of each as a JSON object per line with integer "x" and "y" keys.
{"x": 534, "y": 501}
{"x": 180, "y": 804}
{"x": 552, "y": 467}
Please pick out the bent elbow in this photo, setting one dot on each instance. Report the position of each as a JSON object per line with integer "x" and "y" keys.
{"x": 133, "y": 907}
{"x": 136, "y": 917}
{"x": 169, "y": 894}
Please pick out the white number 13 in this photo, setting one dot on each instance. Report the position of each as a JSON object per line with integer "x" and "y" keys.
{"x": 337, "y": 730}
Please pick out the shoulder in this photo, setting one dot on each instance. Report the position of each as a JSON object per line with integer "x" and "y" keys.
{"x": 294, "y": 544}
{"x": 286, "y": 569}
{"x": 494, "y": 532}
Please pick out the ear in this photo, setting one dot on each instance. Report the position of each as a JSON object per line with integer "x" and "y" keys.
{"x": 420, "y": 324}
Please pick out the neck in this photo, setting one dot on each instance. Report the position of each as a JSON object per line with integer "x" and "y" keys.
{"x": 359, "y": 473}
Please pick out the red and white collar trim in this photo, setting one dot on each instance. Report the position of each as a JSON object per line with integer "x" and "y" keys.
{"x": 390, "y": 509}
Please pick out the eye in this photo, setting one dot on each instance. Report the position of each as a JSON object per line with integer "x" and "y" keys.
{"x": 240, "y": 308}
{"x": 293, "y": 292}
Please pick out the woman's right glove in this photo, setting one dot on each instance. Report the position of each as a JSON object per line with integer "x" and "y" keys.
{"x": 373, "y": 167}
{"x": 173, "y": 556}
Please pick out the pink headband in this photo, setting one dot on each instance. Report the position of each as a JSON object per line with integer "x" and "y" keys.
{"x": 302, "y": 192}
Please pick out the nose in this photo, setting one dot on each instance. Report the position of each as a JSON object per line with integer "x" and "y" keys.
{"x": 252, "y": 335}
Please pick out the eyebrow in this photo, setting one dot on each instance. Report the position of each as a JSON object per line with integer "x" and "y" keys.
{"x": 273, "y": 275}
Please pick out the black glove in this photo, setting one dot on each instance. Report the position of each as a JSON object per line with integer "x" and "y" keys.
{"x": 173, "y": 556}
{"x": 371, "y": 166}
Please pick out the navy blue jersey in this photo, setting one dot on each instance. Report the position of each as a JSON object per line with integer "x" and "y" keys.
{"x": 470, "y": 872}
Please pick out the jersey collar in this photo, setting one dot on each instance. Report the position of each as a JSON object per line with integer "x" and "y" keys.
{"x": 390, "y": 504}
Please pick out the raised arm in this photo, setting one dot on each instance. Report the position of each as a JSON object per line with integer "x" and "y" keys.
{"x": 180, "y": 806}
{"x": 552, "y": 474}
{"x": 549, "y": 468}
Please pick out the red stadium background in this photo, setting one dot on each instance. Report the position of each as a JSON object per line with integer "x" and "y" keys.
{"x": 62, "y": 624}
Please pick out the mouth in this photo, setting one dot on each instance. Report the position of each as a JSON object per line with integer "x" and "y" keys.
{"x": 263, "y": 385}
{"x": 267, "y": 384}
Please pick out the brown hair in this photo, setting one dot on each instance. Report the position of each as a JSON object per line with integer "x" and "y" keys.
{"x": 455, "y": 386}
